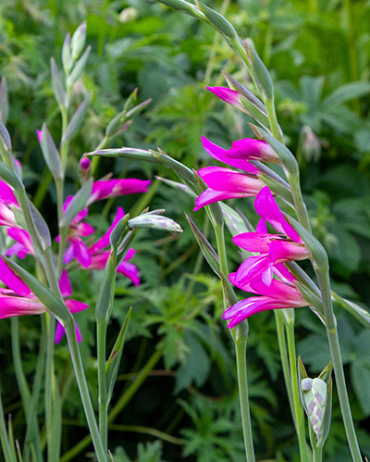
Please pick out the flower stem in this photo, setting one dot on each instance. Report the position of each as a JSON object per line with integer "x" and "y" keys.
{"x": 241, "y": 364}
{"x": 284, "y": 359}
{"x": 102, "y": 381}
{"x": 239, "y": 336}
{"x": 124, "y": 399}
{"x": 84, "y": 391}
{"x": 5, "y": 445}
{"x": 317, "y": 454}
{"x": 332, "y": 334}
{"x": 298, "y": 411}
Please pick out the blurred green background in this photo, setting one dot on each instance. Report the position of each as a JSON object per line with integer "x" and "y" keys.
{"x": 319, "y": 55}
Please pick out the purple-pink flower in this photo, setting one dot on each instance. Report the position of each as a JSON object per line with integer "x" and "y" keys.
{"x": 282, "y": 293}
{"x": 229, "y": 96}
{"x": 8, "y": 202}
{"x": 251, "y": 149}
{"x": 19, "y": 300}
{"x": 104, "y": 189}
{"x": 256, "y": 274}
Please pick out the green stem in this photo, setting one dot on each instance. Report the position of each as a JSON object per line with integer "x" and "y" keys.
{"x": 271, "y": 114}
{"x": 298, "y": 411}
{"x": 284, "y": 359}
{"x": 53, "y": 452}
{"x": 332, "y": 334}
{"x": 32, "y": 437}
{"x": 125, "y": 398}
{"x": 317, "y": 454}
{"x": 5, "y": 445}
{"x": 84, "y": 391}
{"x": 102, "y": 381}
{"x": 241, "y": 364}
{"x": 18, "y": 368}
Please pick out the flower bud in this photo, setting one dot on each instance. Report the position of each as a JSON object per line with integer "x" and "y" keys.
{"x": 84, "y": 169}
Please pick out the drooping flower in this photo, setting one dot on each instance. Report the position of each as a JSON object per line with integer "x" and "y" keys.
{"x": 19, "y": 300}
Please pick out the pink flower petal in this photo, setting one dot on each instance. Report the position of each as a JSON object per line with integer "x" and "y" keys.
{"x": 104, "y": 189}
{"x": 251, "y": 149}
{"x": 65, "y": 284}
{"x": 7, "y": 194}
{"x": 267, "y": 208}
{"x": 130, "y": 271}
{"x": 15, "y": 283}
{"x": 220, "y": 154}
{"x": 104, "y": 240}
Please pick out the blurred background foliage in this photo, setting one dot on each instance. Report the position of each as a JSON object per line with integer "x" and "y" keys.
{"x": 179, "y": 350}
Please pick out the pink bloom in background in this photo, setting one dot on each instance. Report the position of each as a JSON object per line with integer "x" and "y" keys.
{"x": 39, "y": 135}
{"x": 77, "y": 229}
{"x": 74, "y": 306}
{"x": 23, "y": 245}
{"x": 99, "y": 256}
{"x": 278, "y": 295}
{"x": 19, "y": 300}
{"x": 224, "y": 183}
{"x": 104, "y": 189}
{"x": 251, "y": 149}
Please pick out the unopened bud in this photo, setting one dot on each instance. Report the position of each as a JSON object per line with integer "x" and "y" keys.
{"x": 310, "y": 145}
{"x": 154, "y": 220}
{"x": 78, "y": 40}
{"x": 84, "y": 169}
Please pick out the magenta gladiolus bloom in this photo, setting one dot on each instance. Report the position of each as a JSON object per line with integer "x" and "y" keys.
{"x": 23, "y": 245}
{"x": 278, "y": 295}
{"x": 99, "y": 256}
{"x": 221, "y": 155}
{"x": 19, "y": 300}
{"x": 77, "y": 229}
{"x": 251, "y": 149}
{"x": 8, "y": 201}
{"x": 224, "y": 184}
{"x": 229, "y": 96}
{"x": 104, "y": 189}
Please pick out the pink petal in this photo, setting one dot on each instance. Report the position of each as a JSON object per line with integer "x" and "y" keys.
{"x": 65, "y": 284}
{"x": 220, "y": 154}
{"x": 224, "y": 179}
{"x": 283, "y": 251}
{"x": 81, "y": 253}
{"x": 19, "y": 306}
{"x": 130, "y": 271}
{"x": 104, "y": 189}
{"x": 251, "y": 149}
{"x": 210, "y": 196}
{"x": 23, "y": 238}
{"x": 267, "y": 208}
{"x": 84, "y": 229}
{"x": 7, "y": 194}
{"x": 253, "y": 242}
{"x": 75, "y": 306}
{"x": 104, "y": 240}
{"x": 15, "y": 283}
{"x": 229, "y": 96}
{"x": 59, "y": 333}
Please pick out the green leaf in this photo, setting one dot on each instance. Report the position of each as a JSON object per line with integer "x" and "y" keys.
{"x": 346, "y": 93}
{"x": 4, "y": 102}
{"x": 360, "y": 378}
{"x": 58, "y": 87}
{"x": 51, "y": 154}
{"x": 77, "y": 204}
{"x": 76, "y": 121}
{"x": 195, "y": 368}
{"x": 114, "y": 360}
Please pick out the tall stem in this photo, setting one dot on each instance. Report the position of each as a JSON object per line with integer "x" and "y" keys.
{"x": 241, "y": 364}
{"x": 239, "y": 336}
{"x": 332, "y": 334}
{"x": 102, "y": 380}
{"x": 298, "y": 411}
{"x": 317, "y": 454}
{"x": 84, "y": 391}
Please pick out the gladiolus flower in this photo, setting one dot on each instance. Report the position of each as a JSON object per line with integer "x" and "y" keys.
{"x": 229, "y": 96}
{"x": 226, "y": 184}
{"x": 23, "y": 245}
{"x": 251, "y": 149}
{"x": 8, "y": 201}
{"x": 104, "y": 189}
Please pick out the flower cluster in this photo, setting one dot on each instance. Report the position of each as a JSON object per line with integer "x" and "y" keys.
{"x": 265, "y": 274}
{"x": 18, "y": 299}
